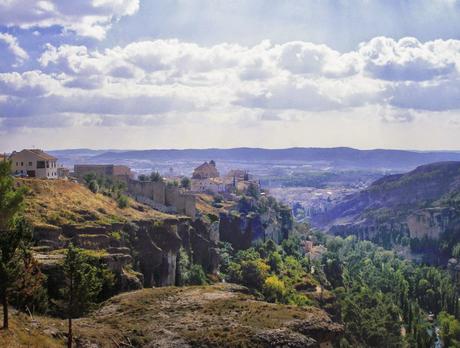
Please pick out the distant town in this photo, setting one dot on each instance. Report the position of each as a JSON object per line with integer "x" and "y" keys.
{"x": 168, "y": 193}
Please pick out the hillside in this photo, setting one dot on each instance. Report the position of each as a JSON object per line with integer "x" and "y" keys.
{"x": 62, "y": 202}
{"x": 138, "y": 244}
{"x": 212, "y": 316}
{"x": 423, "y": 204}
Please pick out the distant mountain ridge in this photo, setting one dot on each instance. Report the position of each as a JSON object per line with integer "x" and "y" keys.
{"x": 336, "y": 157}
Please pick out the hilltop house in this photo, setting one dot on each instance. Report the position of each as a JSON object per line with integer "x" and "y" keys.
{"x": 34, "y": 163}
{"x": 206, "y": 171}
{"x": 206, "y": 178}
{"x": 214, "y": 185}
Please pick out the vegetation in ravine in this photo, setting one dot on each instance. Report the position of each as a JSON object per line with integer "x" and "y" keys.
{"x": 383, "y": 300}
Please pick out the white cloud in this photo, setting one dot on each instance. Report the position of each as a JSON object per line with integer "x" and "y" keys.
{"x": 147, "y": 81}
{"x": 14, "y": 47}
{"x": 409, "y": 59}
{"x": 90, "y": 18}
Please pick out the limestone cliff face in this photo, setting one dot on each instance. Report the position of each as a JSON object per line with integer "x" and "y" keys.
{"x": 150, "y": 246}
{"x": 242, "y": 230}
{"x": 421, "y": 205}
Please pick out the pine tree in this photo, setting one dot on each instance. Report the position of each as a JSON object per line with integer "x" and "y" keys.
{"x": 82, "y": 286}
{"x": 13, "y": 234}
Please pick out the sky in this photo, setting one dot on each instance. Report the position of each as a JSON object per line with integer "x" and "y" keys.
{"x": 144, "y": 74}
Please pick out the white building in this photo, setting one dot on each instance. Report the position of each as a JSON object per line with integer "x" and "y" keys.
{"x": 34, "y": 163}
{"x": 214, "y": 185}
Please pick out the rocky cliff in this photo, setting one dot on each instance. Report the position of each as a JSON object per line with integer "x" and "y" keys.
{"x": 254, "y": 221}
{"x": 140, "y": 245}
{"x": 421, "y": 205}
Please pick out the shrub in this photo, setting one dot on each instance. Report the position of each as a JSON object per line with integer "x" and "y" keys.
{"x": 275, "y": 261}
{"x": 254, "y": 273}
{"x": 143, "y": 177}
{"x": 234, "y": 273}
{"x": 93, "y": 186}
{"x": 197, "y": 275}
{"x": 122, "y": 201}
{"x": 185, "y": 183}
{"x": 156, "y": 177}
{"x": 274, "y": 289}
{"x": 183, "y": 267}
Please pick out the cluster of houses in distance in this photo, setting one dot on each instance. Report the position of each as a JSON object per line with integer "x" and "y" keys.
{"x": 35, "y": 163}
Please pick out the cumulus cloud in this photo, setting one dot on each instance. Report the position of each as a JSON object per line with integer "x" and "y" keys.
{"x": 409, "y": 59}
{"x": 90, "y": 18}
{"x": 14, "y": 47}
{"x": 151, "y": 80}
{"x": 27, "y": 84}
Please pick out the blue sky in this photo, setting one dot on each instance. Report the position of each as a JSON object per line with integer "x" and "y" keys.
{"x": 197, "y": 73}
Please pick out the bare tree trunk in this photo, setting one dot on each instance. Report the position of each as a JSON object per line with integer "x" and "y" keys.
{"x": 5, "y": 311}
{"x": 69, "y": 335}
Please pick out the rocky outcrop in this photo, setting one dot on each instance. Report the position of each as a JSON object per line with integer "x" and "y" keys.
{"x": 243, "y": 230}
{"x": 222, "y": 315}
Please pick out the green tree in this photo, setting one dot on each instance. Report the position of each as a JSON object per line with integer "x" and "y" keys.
{"x": 450, "y": 330}
{"x": 89, "y": 177}
{"x": 253, "y": 190}
{"x": 93, "y": 186}
{"x": 197, "y": 275}
{"x": 156, "y": 177}
{"x": 185, "y": 183}
{"x": 82, "y": 286}
{"x": 13, "y": 234}
{"x": 456, "y": 250}
{"x": 254, "y": 273}
{"x": 122, "y": 201}
{"x": 143, "y": 177}
{"x": 274, "y": 289}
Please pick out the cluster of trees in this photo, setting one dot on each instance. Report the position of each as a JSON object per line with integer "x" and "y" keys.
{"x": 21, "y": 282}
{"x": 108, "y": 186}
{"x": 273, "y": 272}
{"x": 156, "y": 177}
{"x": 384, "y": 298}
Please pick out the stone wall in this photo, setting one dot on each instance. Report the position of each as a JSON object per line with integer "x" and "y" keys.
{"x": 160, "y": 194}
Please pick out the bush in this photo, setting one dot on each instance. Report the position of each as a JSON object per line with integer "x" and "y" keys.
{"x": 183, "y": 267}
{"x": 275, "y": 261}
{"x": 274, "y": 289}
{"x": 197, "y": 275}
{"x": 234, "y": 273}
{"x": 143, "y": 177}
{"x": 93, "y": 186}
{"x": 254, "y": 273}
{"x": 122, "y": 201}
{"x": 156, "y": 177}
{"x": 185, "y": 183}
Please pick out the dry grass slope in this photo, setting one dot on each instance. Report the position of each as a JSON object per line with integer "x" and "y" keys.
{"x": 213, "y": 316}
{"x": 60, "y": 202}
